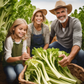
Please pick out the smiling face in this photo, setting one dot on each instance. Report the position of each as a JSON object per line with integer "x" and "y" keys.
{"x": 38, "y": 19}
{"x": 20, "y": 30}
{"x": 62, "y": 14}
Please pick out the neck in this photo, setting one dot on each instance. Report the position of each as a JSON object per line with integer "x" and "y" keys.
{"x": 16, "y": 38}
{"x": 65, "y": 23}
{"x": 37, "y": 25}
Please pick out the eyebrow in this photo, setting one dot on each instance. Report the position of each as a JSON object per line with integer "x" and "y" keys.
{"x": 59, "y": 12}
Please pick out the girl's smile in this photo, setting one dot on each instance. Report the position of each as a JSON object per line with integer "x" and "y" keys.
{"x": 20, "y": 31}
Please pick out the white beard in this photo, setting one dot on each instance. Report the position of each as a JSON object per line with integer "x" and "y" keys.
{"x": 63, "y": 20}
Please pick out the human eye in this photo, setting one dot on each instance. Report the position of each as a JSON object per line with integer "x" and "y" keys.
{"x": 57, "y": 12}
{"x": 41, "y": 16}
{"x": 25, "y": 29}
{"x": 20, "y": 28}
{"x": 36, "y": 15}
{"x": 62, "y": 11}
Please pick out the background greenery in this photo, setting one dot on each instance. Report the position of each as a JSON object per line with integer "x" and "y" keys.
{"x": 80, "y": 16}
{"x": 10, "y": 10}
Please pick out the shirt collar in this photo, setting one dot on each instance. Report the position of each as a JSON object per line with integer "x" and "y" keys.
{"x": 60, "y": 25}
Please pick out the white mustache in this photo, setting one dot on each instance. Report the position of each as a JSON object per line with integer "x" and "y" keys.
{"x": 63, "y": 20}
{"x": 61, "y": 17}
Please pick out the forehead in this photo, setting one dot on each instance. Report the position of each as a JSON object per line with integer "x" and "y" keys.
{"x": 60, "y": 9}
{"x": 23, "y": 25}
{"x": 39, "y": 13}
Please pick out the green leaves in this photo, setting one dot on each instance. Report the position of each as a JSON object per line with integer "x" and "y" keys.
{"x": 3, "y": 3}
{"x": 43, "y": 68}
{"x": 80, "y": 16}
{"x": 10, "y": 10}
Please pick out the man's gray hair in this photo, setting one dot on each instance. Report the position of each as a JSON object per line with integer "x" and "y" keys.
{"x": 65, "y": 9}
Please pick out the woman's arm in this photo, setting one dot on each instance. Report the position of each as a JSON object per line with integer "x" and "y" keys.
{"x": 46, "y": 37}
{"x": 28, "y": 50}
{"x": 46, "y": 46}
{"x": 29, "y": 39}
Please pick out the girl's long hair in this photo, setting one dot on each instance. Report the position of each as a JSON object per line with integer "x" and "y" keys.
{"x": 16, "y": 23}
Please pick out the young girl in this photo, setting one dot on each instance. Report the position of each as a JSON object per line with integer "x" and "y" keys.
{"x": 15, "y": 50}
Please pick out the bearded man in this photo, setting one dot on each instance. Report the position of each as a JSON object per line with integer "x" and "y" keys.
{"x": 68, "y": 31}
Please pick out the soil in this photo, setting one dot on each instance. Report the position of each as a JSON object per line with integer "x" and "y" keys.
{"x": 2, "y": 75}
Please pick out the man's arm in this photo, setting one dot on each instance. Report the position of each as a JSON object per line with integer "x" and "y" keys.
{"x": 77, "y": 40}
{"x": 75, "y": 49}
{"x": 66, "y": 60}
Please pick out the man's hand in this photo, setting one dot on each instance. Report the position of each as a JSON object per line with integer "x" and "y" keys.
{"x": 65, "y": 61}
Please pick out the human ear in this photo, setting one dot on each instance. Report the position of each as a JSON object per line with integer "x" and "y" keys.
{"x": 13, "y": 30}
{"x": 67, "y": 12}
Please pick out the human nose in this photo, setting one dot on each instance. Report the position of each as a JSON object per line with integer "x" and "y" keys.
{"x": 60, "y": 14}
{"x": 23, "y": 31}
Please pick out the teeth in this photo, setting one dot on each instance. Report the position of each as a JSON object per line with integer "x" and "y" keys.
{"x": 61, "y": 17}
{"x": 21, "y": 34}
{"x": 38, "y": 20}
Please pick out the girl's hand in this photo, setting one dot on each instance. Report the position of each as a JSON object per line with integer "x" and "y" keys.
{"x": 25, "y": 56}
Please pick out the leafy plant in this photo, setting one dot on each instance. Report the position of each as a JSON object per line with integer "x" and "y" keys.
{"x": 44, "y": 68}
{"x": 10, "y": 10}
{"x": 80, "y": 16}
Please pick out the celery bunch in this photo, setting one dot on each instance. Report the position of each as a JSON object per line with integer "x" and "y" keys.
{"x": 44, "y": 68}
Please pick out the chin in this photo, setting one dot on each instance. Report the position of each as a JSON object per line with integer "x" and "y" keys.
{"x": 20, "y": 36}
{"x": 62, "y": 21}
{"x": 38, "y": 23}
